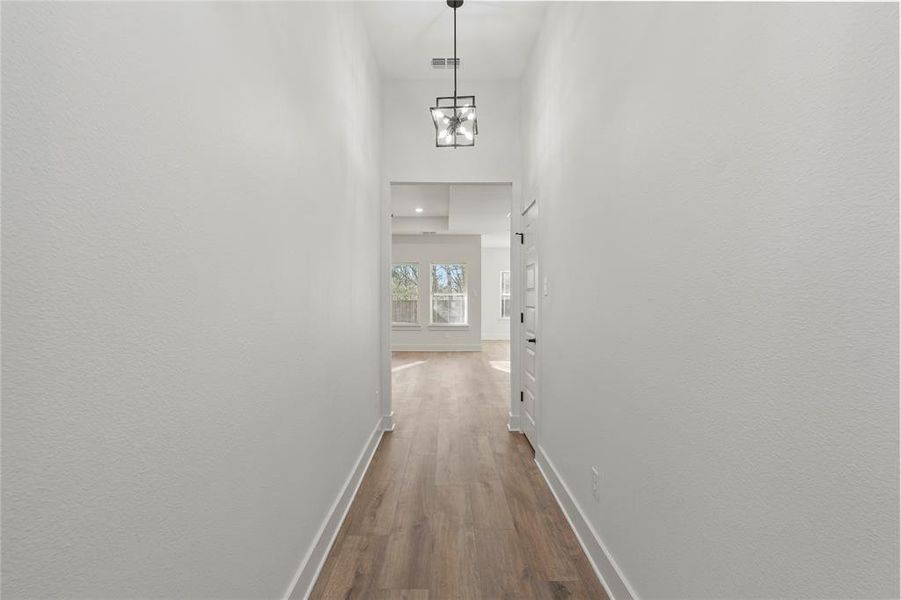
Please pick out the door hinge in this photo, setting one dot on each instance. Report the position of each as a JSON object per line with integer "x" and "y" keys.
{"x": 522, "y": 318}
{"x": 522, "y": 237}
{"x": 521, "y": 395}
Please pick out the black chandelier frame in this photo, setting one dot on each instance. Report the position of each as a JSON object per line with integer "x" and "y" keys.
{"x": 455, "y": 102}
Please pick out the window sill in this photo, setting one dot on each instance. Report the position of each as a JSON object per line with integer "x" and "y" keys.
{"x": 449, "y": 326}
{"x": 406, "y": 326}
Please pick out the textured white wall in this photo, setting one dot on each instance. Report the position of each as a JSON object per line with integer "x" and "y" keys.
{"x": 718, "y": 186}
{"x": 431, "y": 249}
{"x": 494, "y": 260}
{"x": 186, "y": 381}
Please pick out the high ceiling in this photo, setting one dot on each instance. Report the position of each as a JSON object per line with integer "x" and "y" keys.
{"x": 494, "y": 39}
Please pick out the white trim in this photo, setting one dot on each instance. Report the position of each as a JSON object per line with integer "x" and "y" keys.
{"x": 388, "y": 422}
{"x": 385, "y": 333}
{"x": 530, "y": 423}
{"x": 516, "y": 307}
{"x": 599, "y": 556}
{"x": 457, "y": 326}
{"x": 512, "y": 422}
{"x": 303, "y": 581}
{"x": 509, "y": 296}
{"x": 403, "y": 326}
{"x": 436, "y": 347}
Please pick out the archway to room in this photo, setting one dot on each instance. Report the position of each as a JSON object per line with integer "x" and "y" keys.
{"x": 451, "y": 301}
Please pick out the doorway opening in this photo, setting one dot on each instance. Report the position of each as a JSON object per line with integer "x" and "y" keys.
{"x": 452, "y": 297}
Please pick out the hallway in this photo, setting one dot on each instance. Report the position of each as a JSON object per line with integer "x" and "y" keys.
{"x": 453, "y": 505}
{"x": 219, "y": 220}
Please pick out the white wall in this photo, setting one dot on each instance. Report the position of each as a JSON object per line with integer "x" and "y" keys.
{"x": 433, "y": 249}
{"x": 409, "y": 148}
{"x": 480, "y": 209}
{"x": 494, "y": 260}
{"x": 186, "y": 381}
{"x": 718, "y": 191}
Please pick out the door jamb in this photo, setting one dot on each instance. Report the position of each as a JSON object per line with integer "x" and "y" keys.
{"x": 516, "y": 251}
{"x": 384, "y": 270}
{"x": 522, "y": 299}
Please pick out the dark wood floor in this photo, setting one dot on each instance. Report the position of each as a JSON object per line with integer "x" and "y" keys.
{"x": 453, "y": 505}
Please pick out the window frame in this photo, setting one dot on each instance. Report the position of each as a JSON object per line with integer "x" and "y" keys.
{"x": 509, "y": 295}
{"x": 464, "y": 294}
{"x": 405, "y": 324}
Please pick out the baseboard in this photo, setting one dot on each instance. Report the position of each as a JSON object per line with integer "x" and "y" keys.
{"x": 309, "y": 569}
{"x": 608, "y": 572}
{"x": 388, "y": 422}
{"x": 436, "y": 347}
{"x": 513, "y": 422}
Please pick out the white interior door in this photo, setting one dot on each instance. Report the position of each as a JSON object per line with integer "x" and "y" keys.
{"x": 528, "y": 338}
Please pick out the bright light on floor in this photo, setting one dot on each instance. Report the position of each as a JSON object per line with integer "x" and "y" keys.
{"x": 412, "y": 364}
{"x": 500, "y": 365}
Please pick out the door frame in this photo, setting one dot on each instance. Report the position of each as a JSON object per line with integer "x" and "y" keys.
{"x": 516, "y": 364}
{"x": 517, "y": 290}
{"x": 384, "y": 308}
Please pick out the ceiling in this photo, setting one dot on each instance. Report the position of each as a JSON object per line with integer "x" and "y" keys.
{"x": 467, "y": 208}
{"x": 494, "y": 39}
{"x": 432, "y": 198}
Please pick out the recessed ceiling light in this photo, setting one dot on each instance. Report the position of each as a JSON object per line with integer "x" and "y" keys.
{"x": 418, "y": 209}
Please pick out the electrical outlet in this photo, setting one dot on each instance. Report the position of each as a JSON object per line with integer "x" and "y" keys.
{"x": 595, "y": 484}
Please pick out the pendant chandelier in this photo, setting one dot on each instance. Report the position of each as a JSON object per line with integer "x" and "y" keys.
{"x": 455, "y": 117}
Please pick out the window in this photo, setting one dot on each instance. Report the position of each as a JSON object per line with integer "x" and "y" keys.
{"x": 449, "y": 294}
{"x": 405, "y": 293}
{"x": 505, "y": 294}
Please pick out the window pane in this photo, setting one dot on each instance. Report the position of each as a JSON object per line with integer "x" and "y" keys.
{"x": 448, "y": 283}
{"x": 449, "y": 309}
{"x": 505, "y": 307}
{"x": 448, "y": 279}
{"x": 405, "y": 293}
{"x": 440, "y": 309}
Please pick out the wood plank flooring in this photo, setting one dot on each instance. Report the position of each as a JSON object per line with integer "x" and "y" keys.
{"x": 453, "y": 505}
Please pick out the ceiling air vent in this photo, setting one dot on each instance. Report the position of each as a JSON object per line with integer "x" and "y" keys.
{"x": 446, "y": 63}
